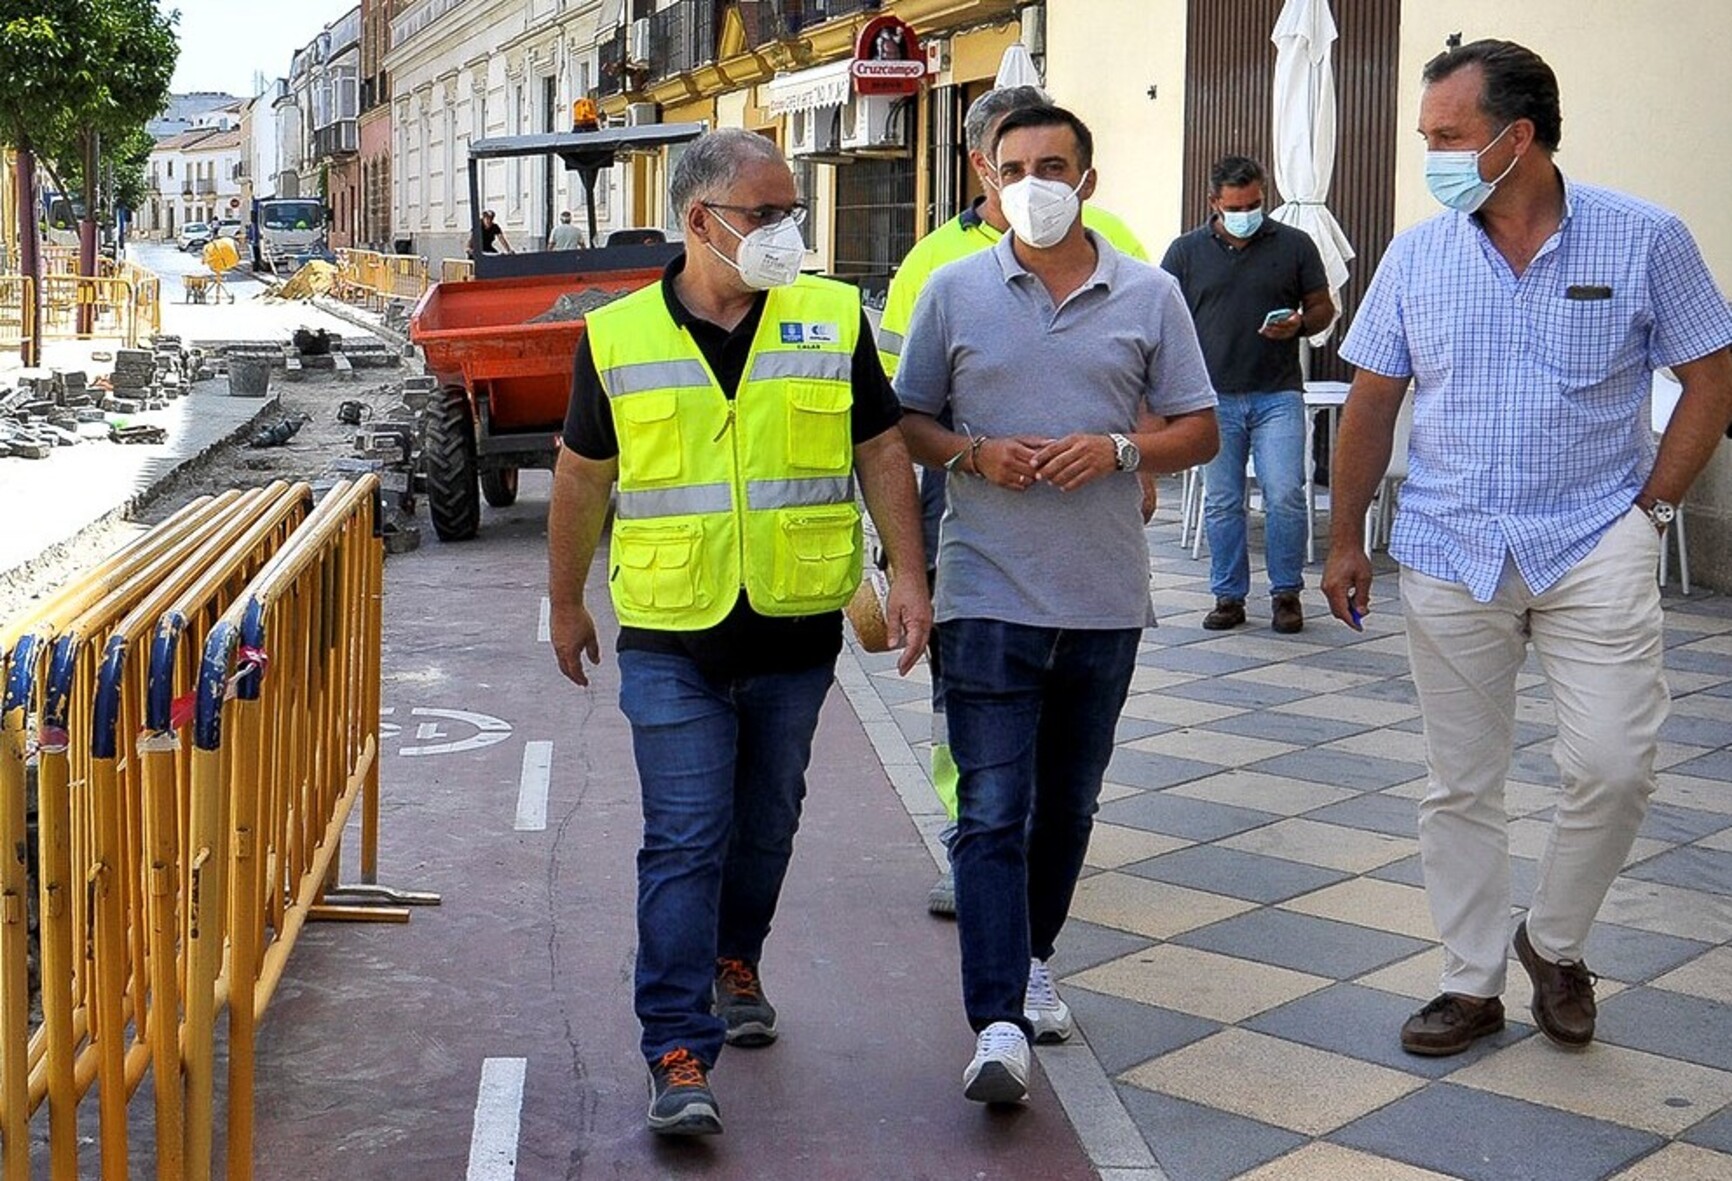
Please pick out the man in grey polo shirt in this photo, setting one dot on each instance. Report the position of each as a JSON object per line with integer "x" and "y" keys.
{"x": 1042, "y": 349}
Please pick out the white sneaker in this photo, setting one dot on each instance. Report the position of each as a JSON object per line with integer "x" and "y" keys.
{"x": 1044, "y": 1008}
{"x": 999, "y": 1072}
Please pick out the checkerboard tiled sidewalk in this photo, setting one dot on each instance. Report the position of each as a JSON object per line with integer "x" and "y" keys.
{"x": 1251, "y": 930}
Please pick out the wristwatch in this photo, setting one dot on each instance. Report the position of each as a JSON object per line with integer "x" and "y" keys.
{"x": 1661, "y": 512}
{"x": 1129, "y": 457}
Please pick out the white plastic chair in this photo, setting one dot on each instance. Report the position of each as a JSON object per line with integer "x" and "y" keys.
{"x": 1381, "y": 512}
{"x": 1663, "y": 399}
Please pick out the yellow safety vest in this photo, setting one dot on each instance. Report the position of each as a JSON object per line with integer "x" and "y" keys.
{"x": 717, "y": 494}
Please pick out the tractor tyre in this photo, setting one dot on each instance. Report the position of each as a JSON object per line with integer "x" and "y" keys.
{"x": 499, "y": 486}
{"x": 453, "y": 498}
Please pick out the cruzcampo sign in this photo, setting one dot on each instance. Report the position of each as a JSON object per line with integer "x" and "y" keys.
{"x": 887, "y": 58}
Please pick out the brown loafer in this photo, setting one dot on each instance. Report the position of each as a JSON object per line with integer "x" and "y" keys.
{"x": 1289, "y": 616}
{"x": 1563, "y": 1005}
{"x": 1450, "y": 1024}
{"x": 1227, "y": 613}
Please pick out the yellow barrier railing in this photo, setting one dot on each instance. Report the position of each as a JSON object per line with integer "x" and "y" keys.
{"x": 124, "y": 303}
{"x": 366, "y": 276}
{"x": 456, "y": 270}
{"x": 158, "y": 856}
{"x": 17, "y": 311}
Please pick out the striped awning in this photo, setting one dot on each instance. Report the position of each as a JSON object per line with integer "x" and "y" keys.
{"x": 808, "y": 90}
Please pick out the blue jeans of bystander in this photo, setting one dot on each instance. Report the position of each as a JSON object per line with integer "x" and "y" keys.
{"x": 1033, "y": 711}
{"x": 722, "y": 766}
{"x": 1270, "y": 429}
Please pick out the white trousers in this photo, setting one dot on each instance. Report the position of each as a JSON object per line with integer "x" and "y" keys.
{"x": 1597, "y": 634}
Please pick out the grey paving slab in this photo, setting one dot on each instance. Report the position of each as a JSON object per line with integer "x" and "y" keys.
{"x": 1715, "y": 765}
{"x": 1669, "y": 822}
{"x": 1141, "y": 768}
{"x": 1124, "y": 1034}
{"x": 1130, "y": 729}
{"x": 1696, "y": 660}
{"x": 1197, "y": 1143}
{"x": 1175, "y": 634}
{"x": 1724, "y": 689}
{"x": 1691, "y": 867}
{"x": 1199, "y": 658}
{"x": 1534, "y": 765}
{"x": 898, "y": 690}
{"x": 1246, "y": 694}
{"x": 1365, "y": 1023}
{"x": 1082, "y": 945}
{"x": 1714, "y": 1132}
{"x": 1696, "y": 731}
{"x": 1670, "y": 1024}
{"x": 1342, "y": 769}
{"x": 1237, "y": 874}
{"x": 1391, "y": 690}
{"x": 1476, "y": 1135}
{"x": 1635, "y": 956}
{"x": 1196, "y": 820}
{"x": 1292, "y": 728}
{"x": 1304, "y": 943}
{"x": 1524, "y": 873}
{"x": 1373, "y": 812}
{"x": 1356, "y": 660}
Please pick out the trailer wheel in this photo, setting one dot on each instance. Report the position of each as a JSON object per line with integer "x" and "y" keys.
{"x": 449, "y": 460}
{"x": 499, "y": 486}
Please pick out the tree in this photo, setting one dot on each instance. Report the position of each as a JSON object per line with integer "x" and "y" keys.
{"x": 74, "y": 73}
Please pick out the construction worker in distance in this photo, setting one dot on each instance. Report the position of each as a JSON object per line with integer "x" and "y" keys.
{"x": 976, "y": 228}
{"x": 736, "y": 404}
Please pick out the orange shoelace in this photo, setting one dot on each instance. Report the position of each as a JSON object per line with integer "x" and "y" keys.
{"x": 682, "y": 1069}
{"x": 740, "y": 978}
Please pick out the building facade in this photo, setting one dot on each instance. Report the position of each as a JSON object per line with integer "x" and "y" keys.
{"x": 193, "y": 177}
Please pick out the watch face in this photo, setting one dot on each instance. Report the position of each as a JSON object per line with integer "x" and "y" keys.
{"x": 1662, "y": 512}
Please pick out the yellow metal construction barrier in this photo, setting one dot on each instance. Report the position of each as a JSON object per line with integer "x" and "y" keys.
{"x": 125, "y": 304}
{"x": 161, "y": 848}
{"x": 17, "y": 311}
{"x": 456, "y": 270}
{"x": 366, "y": 276}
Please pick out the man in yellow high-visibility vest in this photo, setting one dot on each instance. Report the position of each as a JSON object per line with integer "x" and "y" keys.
{"x": 975, "y": 229}
{"x": 734, "y": 403}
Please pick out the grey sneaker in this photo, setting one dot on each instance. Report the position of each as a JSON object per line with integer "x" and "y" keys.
{"x": 1044, "y": 1008}
{"x": 941, "y": 899}
{"x": 681, "y": 1102}
{"x": 999, "y": 1071}
{"x": 740, "y": 1001}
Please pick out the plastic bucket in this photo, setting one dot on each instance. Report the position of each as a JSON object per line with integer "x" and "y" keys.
{"x": 249, "y": 377}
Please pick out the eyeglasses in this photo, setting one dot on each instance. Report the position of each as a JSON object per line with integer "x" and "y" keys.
{"x": 765, "y": 215}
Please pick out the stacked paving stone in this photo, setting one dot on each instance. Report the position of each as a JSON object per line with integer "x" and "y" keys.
{"x": 133, "y": 382}
{"x": 48, "y": 409}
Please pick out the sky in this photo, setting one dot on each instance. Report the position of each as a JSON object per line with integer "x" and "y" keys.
{"x": 223, "y": 41}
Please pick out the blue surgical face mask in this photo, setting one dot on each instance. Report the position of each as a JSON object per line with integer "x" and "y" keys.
{"x": 1453, "y": 177}
{"x": 1241, "y": 223}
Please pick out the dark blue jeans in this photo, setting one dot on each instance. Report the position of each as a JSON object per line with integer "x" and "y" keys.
{"x": 1032, "y": 713}
{"x": 723, "y": 772}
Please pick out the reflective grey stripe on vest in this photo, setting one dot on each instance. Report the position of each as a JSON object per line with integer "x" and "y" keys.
{"x": 806, "y": 493}
{"x": 654, "y": 375}
{"x": 822, "y": 366}
{"x": 675, "y": 502}
{"x": 890, "y": 342}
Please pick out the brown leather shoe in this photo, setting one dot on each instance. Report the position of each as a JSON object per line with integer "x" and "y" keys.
{"x": 1227, "y": 613}
{"x": 1450, "y": 1024}
{"x": 1563, "y": 1005}
{"x": 1289, "y": 616}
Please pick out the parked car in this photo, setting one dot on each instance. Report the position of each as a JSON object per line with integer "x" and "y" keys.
{"x": 232, "y": 227}
{"x": 192, "y": 237}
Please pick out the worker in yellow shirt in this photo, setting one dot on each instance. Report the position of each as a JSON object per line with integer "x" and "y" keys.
{"x": 974, "y": 229}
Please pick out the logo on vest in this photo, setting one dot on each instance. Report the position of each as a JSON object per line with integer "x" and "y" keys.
{"x": 795, "y": 333}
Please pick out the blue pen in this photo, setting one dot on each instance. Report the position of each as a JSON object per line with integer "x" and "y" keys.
{"x": 1353, "y": 611}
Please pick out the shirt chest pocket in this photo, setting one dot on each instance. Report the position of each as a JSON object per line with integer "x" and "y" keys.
{"x": 1582, "y": 342}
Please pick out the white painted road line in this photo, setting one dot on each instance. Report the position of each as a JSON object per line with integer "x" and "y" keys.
{"x": 532, "y": 786}
{"x": 544, "y": 631}
{"x": 498, "y": 1112}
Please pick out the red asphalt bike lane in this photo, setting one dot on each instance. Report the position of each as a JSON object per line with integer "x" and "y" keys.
{"x": 371, "y": 1054}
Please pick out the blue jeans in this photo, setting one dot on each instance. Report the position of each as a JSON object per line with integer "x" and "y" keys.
{"x": 723, "y": 772}
{"x": 1270, "y": 428}
{"x": 1033, "y": 712}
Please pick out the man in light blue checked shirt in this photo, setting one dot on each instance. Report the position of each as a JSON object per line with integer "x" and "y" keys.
{"x": 1529, "y": 317}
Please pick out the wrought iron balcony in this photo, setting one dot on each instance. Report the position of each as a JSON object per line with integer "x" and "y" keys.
{"x": 682, "y": 38}
{"x": 611, "y": 76}
{"x": 777, "y": 20}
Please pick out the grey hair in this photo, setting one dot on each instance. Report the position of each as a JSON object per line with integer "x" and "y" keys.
{"x": 711, "y": 164}
{"x": 994, "y": 105}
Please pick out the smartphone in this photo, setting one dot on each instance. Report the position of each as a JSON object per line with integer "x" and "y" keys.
{"x": 1277, "y": 316}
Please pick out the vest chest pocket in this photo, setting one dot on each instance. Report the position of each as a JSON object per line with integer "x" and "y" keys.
{"x": 815, "y": 554}
{"x": 649, "y": 438}
{"x": 655, "y": 566}
{"x": 820, "y": 435}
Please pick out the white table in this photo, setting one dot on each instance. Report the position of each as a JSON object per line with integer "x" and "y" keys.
{"x": 1328, "y": 397}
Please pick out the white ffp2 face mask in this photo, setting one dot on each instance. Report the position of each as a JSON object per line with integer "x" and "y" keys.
{"x": 1041, "y": 212}
{"x": 769, "y": 256}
